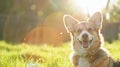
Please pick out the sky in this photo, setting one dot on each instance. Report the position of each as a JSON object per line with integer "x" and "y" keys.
{"x": 90, "y": 6}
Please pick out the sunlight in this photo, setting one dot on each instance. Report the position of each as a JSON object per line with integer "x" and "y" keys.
{"x": 89, "y": 6}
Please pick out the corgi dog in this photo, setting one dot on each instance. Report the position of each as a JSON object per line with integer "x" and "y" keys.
{"x": 87, "y": 42}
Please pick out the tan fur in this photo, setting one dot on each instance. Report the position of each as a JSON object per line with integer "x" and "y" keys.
{"x": 95, "y": 55}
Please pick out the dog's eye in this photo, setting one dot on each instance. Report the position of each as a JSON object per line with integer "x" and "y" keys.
{"x": 79, "y": 30}
{"x": 89, "y": 29}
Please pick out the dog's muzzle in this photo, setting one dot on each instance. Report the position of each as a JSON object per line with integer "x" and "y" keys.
{"x": 85, "y": 41}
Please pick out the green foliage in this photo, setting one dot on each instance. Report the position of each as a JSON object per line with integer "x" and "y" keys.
{"x": 5, "y": 6}
{"x": 114, "y": 12}
{"x": 13, "y": 55}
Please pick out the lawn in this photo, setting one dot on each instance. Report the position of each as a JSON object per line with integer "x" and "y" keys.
{"x": 23, "y": 55}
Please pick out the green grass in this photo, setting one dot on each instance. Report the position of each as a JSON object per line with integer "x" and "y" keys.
{"x": 21, "y": 55}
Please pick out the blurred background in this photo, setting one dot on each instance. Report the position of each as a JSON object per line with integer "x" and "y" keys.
{"x": 41, "y": 21}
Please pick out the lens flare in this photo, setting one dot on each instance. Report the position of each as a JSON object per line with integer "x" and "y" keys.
{"x": 89, "y": 6}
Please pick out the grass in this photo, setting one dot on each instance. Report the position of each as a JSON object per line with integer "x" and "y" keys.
{"x": 23, "y": 55}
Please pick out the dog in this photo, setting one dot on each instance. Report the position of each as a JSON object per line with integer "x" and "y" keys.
{"x": 87, "y": 42}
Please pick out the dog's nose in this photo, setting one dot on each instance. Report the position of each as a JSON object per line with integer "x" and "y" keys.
{"x": 84, "y": 36}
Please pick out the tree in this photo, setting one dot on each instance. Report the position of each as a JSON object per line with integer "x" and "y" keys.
{"x": 114, "y": 11}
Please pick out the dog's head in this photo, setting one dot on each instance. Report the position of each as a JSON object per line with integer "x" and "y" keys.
{"x": 84, "y": 33}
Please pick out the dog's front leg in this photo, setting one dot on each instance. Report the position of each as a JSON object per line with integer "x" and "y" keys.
{"x": 74, "y": 59}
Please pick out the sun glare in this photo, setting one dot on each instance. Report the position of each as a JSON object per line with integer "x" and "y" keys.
{"x": 89, "y": 6}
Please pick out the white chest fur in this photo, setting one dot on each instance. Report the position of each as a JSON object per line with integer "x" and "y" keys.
{"x": 83, "y": 62}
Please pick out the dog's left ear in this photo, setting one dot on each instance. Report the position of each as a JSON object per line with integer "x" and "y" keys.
{"x": 97, "y": 19}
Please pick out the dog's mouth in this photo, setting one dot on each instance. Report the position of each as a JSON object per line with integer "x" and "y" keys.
{"x": 85, "y": 43}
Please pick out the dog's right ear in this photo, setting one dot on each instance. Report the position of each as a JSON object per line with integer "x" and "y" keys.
{"x": 97, "y": 19}
{"x": 69, "y": 23}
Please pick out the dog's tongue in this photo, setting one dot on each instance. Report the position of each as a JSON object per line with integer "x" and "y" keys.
{"x": 85, "y": 44}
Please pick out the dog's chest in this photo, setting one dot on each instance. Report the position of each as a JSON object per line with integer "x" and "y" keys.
{"x": 83, "y": 62}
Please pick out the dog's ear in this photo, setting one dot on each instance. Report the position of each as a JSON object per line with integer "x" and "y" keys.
{"x": 69, "y": 23}
{"x": 97, "y": 19}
